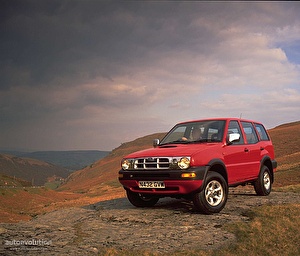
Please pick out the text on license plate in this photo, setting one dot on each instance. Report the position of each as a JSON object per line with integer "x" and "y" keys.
{"x": 151, "y": 184}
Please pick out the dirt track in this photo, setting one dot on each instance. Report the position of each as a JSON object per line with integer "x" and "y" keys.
{"x": 172, "y": 225}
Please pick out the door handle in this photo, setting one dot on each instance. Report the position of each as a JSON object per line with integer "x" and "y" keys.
{"x": 246, "y": 150}
{"x": 262, "y": 148}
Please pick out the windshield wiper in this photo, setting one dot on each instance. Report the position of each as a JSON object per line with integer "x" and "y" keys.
{"x": 205, "y": 140}
{"x": 202, "y": 140}
{"x": 174, "y": 142}
{"x": 198, "y": 141}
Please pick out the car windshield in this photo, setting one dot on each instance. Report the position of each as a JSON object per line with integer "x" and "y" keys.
{"x": 196, "y": 132}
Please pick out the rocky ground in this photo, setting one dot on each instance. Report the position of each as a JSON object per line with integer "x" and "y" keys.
{"x": 172, "y": 225}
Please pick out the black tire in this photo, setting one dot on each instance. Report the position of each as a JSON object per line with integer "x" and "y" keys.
{"x": 263, "y": 185}
{"x": 140, "y": 200}
{"x": 213, "y": 197}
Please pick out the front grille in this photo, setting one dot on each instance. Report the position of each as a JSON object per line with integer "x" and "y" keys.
{"x": 152, "y": 163}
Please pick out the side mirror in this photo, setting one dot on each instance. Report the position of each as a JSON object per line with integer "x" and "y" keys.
{"x": 155, "y": 143}
{"x": 233, "y": 137}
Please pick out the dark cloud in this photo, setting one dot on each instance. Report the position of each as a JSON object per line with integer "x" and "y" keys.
{"x": 73, "y": 66}
{"x": 49, "y": 39}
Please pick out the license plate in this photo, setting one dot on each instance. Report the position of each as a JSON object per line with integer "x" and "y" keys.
{"x": 151, "y": 184}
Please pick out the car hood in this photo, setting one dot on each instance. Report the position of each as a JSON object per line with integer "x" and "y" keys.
{"x": 174, "y": 150}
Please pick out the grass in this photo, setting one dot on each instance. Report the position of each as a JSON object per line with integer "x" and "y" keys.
{"x": 287, "y": 176}
{"x": 52, "y": 185}
{"x": 290, "y": 188}
{"x": 272, "y": 230}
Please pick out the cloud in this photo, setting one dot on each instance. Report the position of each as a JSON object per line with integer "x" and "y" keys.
{"x": 268, "y": 107}
{"x": 86, "y": 74}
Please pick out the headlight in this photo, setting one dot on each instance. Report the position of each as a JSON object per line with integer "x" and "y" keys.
{"x": 125, "y": 164}
{"x": 184, "y": 163}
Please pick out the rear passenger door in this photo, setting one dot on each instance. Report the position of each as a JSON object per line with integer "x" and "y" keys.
{"x": 235, "y": 157}
{"x": 252, "y": 150}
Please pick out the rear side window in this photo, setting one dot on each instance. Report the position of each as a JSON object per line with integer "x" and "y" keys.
{"x": 250, "y": 132}
{"x": 262, "y": 132}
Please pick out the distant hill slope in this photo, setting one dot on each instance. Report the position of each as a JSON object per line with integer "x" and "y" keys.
{"x": 32, "y": 170}
{"x": 71, "y": 160}
{"x": 286, "y": 140}
{"x": 8, "y": 181}
{"x": 105, "y": 171}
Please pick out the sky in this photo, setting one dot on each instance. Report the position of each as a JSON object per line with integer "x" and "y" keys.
{"x": 95, "y": 74}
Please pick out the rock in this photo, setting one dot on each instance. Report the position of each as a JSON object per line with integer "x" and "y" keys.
{"x": 172, "y": 225}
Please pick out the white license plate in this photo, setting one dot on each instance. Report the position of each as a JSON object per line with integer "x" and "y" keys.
{"x": 151, "y": 184}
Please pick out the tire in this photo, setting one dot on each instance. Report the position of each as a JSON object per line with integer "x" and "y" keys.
{"x": 263, "y": 184}
{"x": 213, "y": 197}
{"x": 140, "y": 200}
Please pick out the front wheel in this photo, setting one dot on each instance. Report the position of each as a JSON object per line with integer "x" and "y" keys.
{"x": 140, "y": 200}
{"x": 213, "y": 197}
{"x": 263, "y": 184}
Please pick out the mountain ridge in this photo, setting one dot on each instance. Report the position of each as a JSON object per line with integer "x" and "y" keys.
{"x": 69, "y": 159}
{"x": 31, "y": 170}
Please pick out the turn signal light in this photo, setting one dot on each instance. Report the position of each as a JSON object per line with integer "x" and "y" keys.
{"x": 188, "y": 175}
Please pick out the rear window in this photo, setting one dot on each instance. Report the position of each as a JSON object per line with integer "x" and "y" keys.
{"x": 263, "y": 135}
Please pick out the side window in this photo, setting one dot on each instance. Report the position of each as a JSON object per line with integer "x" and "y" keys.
{"x": 235, "y": 128}
{"x": 262, "y": 132}
{"x": 250, "y": 132}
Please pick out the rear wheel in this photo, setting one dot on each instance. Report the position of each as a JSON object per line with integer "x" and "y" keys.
{"x": 263, "y": 184}
{"x": 212, "y": 198}
{"x": 140, "y": 200}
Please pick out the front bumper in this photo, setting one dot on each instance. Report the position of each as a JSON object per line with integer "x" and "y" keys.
{"x": 174, "y": 183}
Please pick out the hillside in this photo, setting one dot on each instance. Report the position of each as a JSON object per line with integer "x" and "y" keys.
{"x": 8, "y": 181}
{"x": 286, "y": 139}
{"x": 104, "y": 173}
{"x": 71, "y": 160}
{"x": 34, "y": 171}
{"x": 94, "y": 178}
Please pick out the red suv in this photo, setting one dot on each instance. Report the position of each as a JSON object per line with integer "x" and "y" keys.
{"x": 199, "y": 160}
